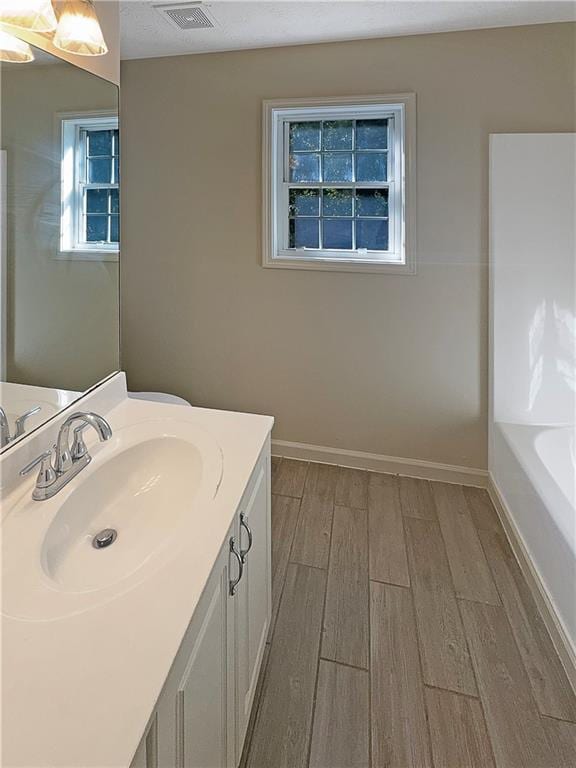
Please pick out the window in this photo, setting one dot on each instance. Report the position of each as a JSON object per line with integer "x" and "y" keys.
{"x": 336, "y": 184}
{"x": 90, "y": 219}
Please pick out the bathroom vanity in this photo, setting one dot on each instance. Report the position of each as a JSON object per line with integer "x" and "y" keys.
{"x": 202, "y": 713}
{"x": 147, "y": 652}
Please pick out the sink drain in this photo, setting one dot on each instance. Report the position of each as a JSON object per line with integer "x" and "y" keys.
{"x": 104, "y": 538}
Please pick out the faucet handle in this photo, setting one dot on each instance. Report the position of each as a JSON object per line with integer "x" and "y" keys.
{"x": 79, "y": 448}
{"x": 20, "y": 421}
{"x": 47, "y": 474}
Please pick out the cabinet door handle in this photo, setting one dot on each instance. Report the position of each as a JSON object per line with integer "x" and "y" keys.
{"x": 244, "y": 524}
{"x": 233, "y": 551}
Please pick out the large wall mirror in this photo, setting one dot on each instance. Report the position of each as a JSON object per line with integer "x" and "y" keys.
{"x": 60, "y": 224}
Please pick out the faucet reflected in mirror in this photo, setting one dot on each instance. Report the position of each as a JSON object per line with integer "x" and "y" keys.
{"x": 19, "y": 425}
{"x": 69, "y": 460}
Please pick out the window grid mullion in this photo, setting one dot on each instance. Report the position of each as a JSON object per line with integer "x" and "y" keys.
{"x": 329, "y": 185}
{"x": 97, "y": 185}
{"x": 354, "y": 188}
{"x": 368, "y": 150}
{"x": 354, "y": 149}
{"x": 81, "y": 221}
{"x": 321, "y": 190}
{"x": 287, "y": 152}
{"x": 354, "y": 247}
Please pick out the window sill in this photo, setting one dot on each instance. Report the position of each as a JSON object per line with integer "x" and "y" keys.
{"x": 89, "y": 255}
{"x": 341, "y": 265}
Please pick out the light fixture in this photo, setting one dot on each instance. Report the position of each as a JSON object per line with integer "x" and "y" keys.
{"x": 78, "y": 29}
{"x": 13, "y": 49}
{"x": 35, "y": 15}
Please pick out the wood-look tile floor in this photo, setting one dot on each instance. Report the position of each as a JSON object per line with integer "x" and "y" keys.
{"x": 403, "y": 633}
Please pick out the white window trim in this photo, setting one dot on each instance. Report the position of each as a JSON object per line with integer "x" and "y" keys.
{"x": 401, "y": 259}
{"x": 69, "y": 126}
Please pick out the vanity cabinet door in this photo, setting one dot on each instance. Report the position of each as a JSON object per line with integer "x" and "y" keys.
{"x": 202, "y": 713}
{"x": 253, "y": 607}
{"x": 147, "y": 753}
{"x": 195, "y": 711}
{"x": 205, "y": 692}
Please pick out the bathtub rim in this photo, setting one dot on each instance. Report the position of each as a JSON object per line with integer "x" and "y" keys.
{"x": 559, "y": 636}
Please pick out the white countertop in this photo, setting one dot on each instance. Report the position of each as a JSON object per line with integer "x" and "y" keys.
{"x": 78, "y": 691}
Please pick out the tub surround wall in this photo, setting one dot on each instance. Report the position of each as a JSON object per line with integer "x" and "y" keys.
{"x": 382, "y": 364}
{"x": 533, "y": 404}
{"x": 534, "y": 278}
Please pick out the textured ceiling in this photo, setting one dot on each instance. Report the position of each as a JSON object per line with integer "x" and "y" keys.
{"x": 263, "y": 24}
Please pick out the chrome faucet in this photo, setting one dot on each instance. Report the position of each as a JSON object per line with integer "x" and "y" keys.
{"x": 4, "y": 428}
{"x": 69, "y": 460}
{"x": 20, "y": 423}
{"x": 67, "y": 456}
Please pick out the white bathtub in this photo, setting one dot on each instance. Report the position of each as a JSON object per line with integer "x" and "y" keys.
{"x": 534, "y": 469}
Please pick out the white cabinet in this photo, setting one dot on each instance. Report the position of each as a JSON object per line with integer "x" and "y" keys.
{"x": 202, "y": 714}
{"x": 195, "y": 711}
{"x": 147, "y": 754}
{"x": 254, "y": 596}
{"x": 204, "y": 728}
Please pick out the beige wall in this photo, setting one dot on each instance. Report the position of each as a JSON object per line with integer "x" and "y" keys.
{"x": 63, "y": 319}
{"x": 107, "y": 66}
{"x": 395, "y": 365}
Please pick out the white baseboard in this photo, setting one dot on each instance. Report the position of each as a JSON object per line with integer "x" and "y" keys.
{"x": 427, "y": 470}
{"x": 558, "y": 634}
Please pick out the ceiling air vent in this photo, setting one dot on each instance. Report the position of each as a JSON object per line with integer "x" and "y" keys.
{"x": 186, "y": 16}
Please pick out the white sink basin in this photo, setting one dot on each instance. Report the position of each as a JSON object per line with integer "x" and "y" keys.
{"x": 148, "y": 483}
